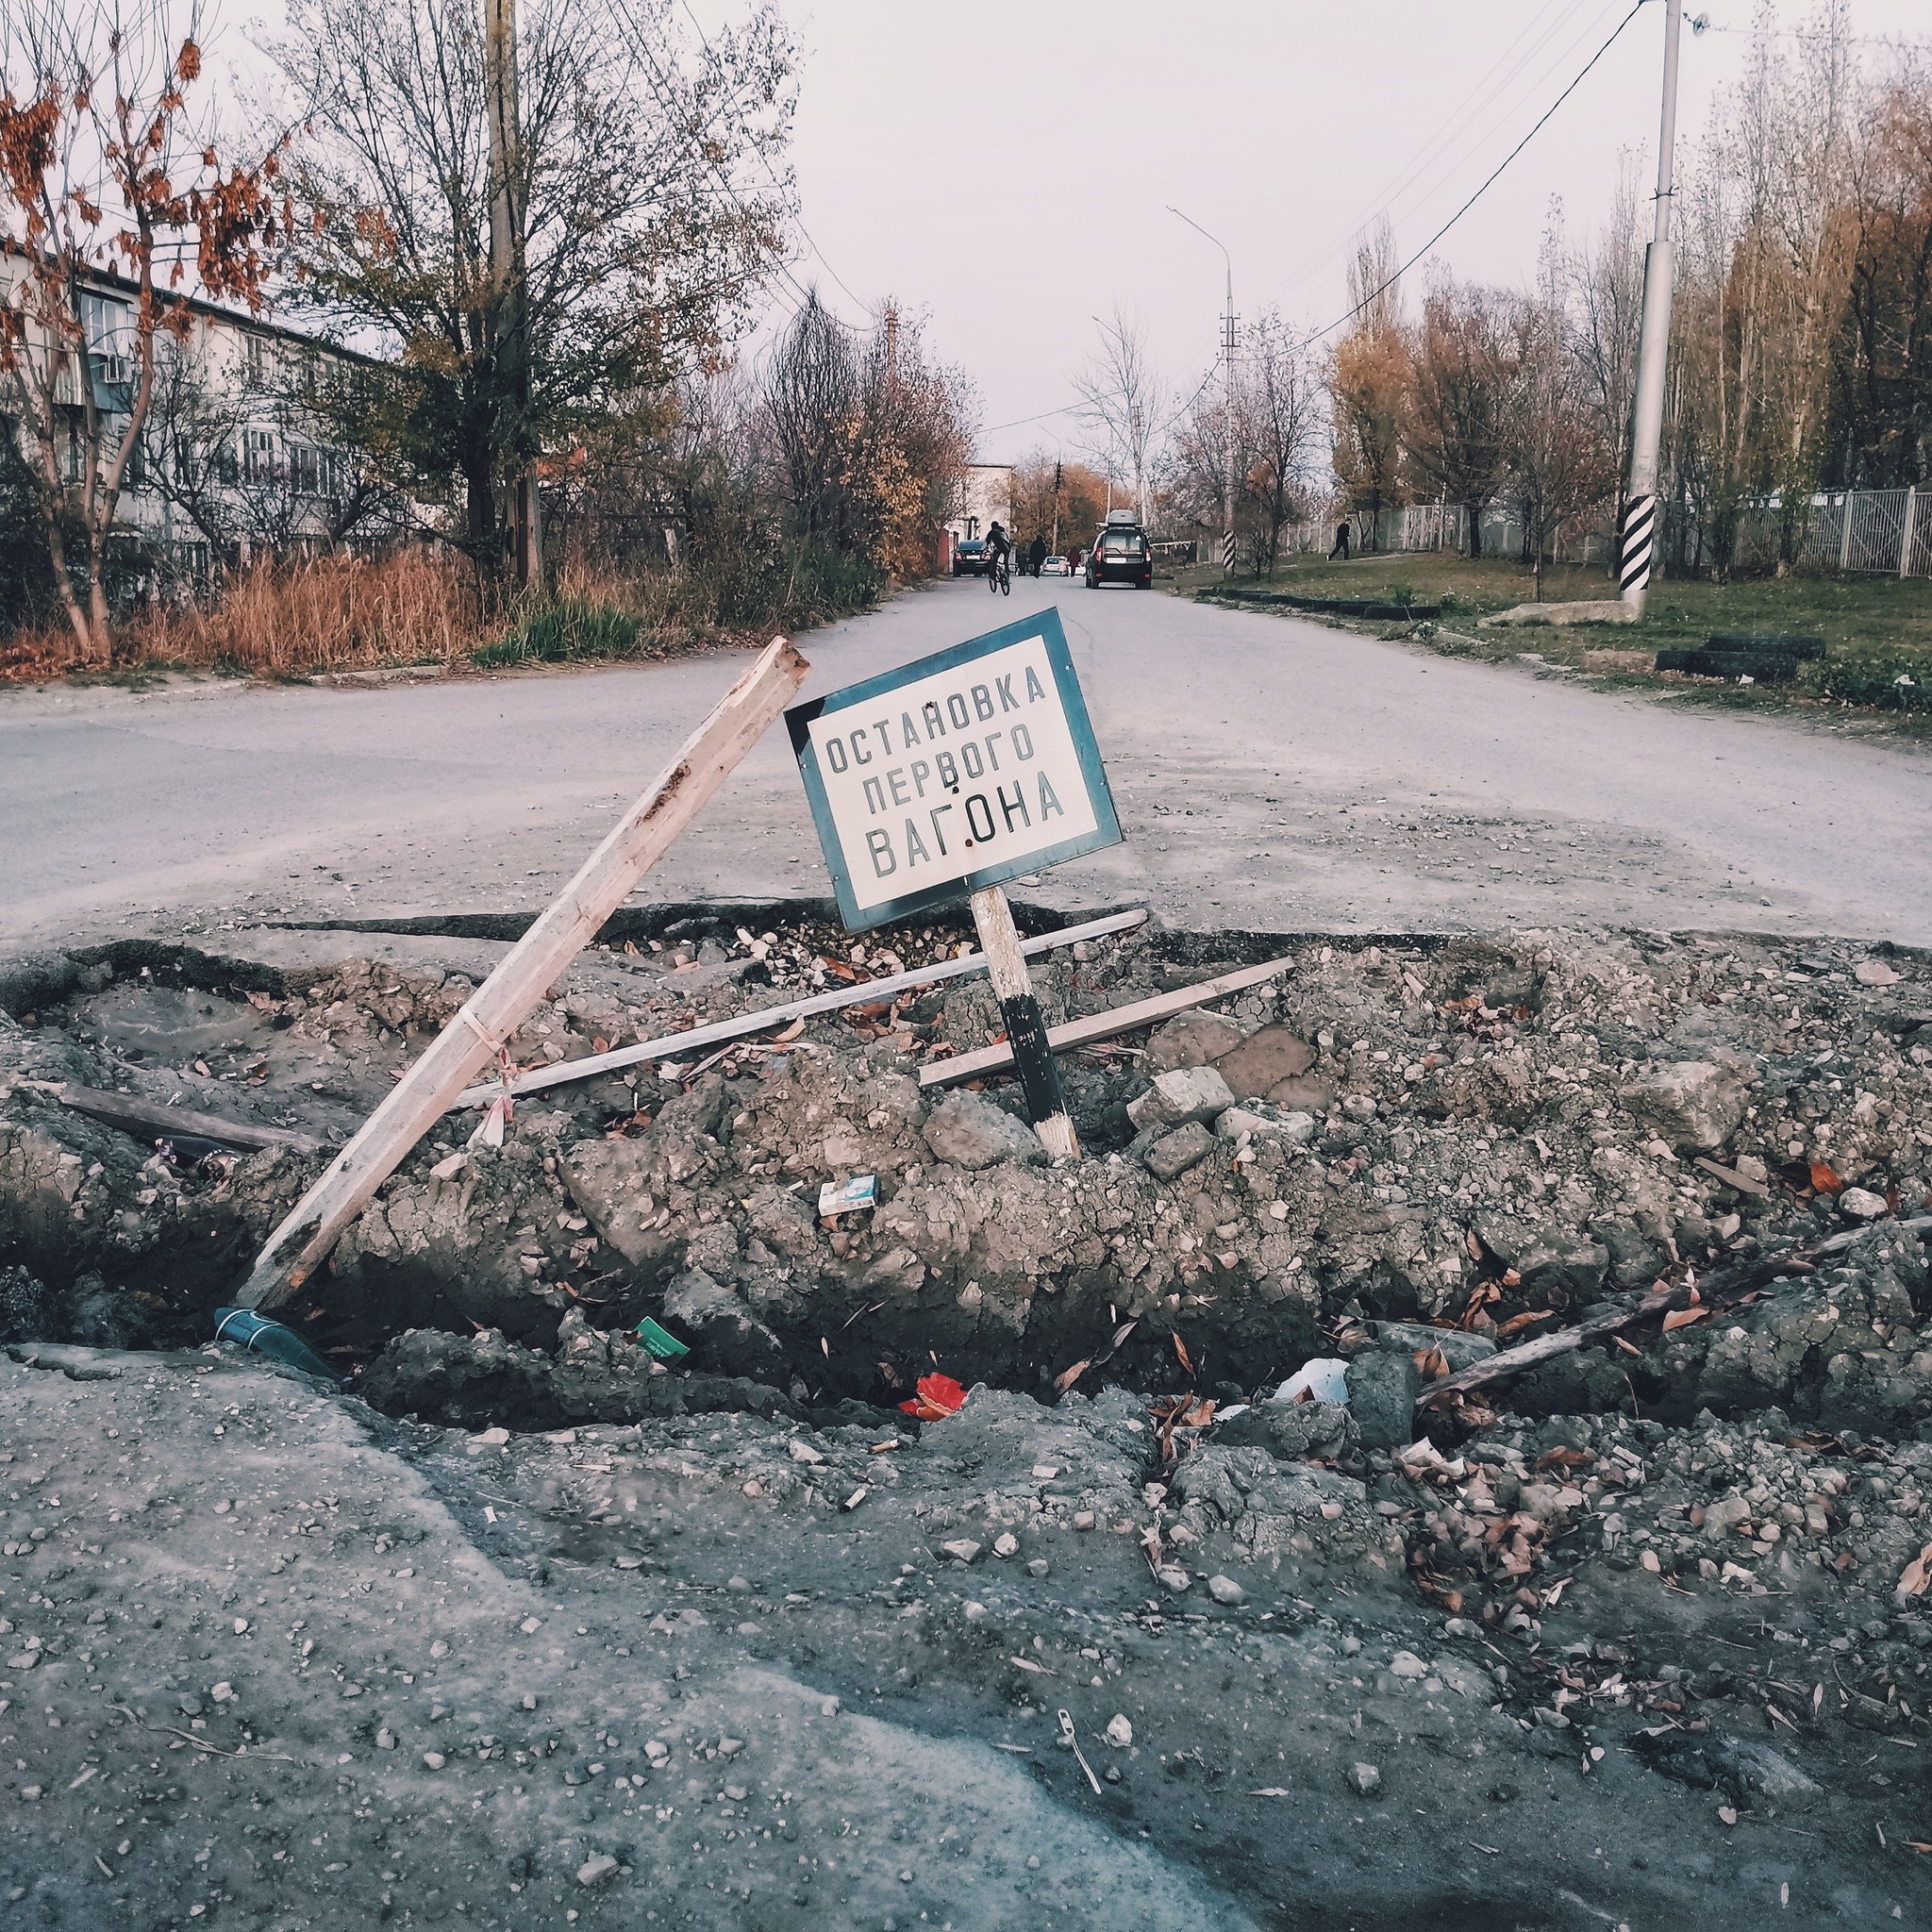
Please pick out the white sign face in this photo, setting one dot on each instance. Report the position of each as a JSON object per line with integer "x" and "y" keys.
{"x": 954, "y": 774}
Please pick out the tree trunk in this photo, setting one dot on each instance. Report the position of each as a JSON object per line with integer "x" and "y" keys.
{"x": 1475, "y": 530}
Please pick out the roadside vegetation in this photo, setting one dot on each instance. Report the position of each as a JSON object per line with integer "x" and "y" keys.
{"x": 506, "y": 428}
{"x": 1877, "y": 630}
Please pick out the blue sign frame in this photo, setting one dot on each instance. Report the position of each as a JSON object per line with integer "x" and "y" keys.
{"x": 1044, "y": 625}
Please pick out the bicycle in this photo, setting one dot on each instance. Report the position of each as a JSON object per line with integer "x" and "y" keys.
{"x": 999, "y": 577}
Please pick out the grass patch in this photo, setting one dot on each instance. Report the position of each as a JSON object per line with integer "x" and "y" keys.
{"x": 1877, "y": 630}
{"x": 571, "y": 631}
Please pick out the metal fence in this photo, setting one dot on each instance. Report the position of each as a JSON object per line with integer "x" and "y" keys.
{"x": 1853, "y": 531}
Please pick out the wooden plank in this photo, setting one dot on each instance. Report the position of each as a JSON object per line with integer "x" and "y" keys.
{"x": 994, "y": 1060}
{"x": 668, "y": 1045}
{"x": 521, "y": 978}
{"x": 1039, "y": 1074}
{"x": 149, "y": 1119}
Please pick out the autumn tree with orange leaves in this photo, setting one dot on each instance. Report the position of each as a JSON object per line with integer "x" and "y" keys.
{"x": 108, "y": 188}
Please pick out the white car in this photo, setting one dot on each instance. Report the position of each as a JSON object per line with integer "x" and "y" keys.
{"x": 1056, "y": 567}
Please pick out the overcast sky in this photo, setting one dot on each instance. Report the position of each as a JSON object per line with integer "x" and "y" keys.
{"x": 1281, "y": 125}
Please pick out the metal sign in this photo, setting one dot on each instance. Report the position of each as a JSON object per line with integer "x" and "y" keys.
{"x": 955, "y": 772}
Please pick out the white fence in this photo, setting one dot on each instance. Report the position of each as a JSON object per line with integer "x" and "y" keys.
{"x": 1853, "y": 531}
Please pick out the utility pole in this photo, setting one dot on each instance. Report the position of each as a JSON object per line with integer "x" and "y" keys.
{"x": 1227, "y": 404}
{"x": 1057, "y": 506}
{"x": 1637, "y": 539}
{"x": 893, "y": 349}
{"x": 511, "y": 344}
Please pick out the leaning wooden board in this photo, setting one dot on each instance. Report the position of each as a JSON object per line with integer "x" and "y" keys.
{"x": 994, "y": 1060}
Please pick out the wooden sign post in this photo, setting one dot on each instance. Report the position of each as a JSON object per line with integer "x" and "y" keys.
{"x": 522, "y": 976}
{"x": 1040, "y": 1072}
{"x": 948, "y": 776}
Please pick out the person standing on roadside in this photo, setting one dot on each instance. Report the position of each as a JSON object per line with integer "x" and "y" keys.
{"x": 1036, "y": 555}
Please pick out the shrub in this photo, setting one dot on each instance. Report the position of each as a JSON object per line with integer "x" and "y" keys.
{"x": 570, "y": 630}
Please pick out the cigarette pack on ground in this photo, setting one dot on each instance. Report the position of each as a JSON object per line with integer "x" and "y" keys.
{"x": 856, "y": 1195}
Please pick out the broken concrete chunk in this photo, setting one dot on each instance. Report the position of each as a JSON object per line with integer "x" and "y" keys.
{"x": 1460, "y": 1348}
{"x": 1263, "y": 1060}
{"x": 1694, "y": 1105}
{"x": 961, "y": 1549}
{"x": 1173, "y": 1154}
{"x": 1184, "y": 1094}
{"x": 1861, "y": 1204}
{"x": 968, "y": 1130}
{"x": 1297, "y": 1129}
{"x": 1304, "y": 1093}
{"x": 1383, "y": 1384}
{"x": 721, "y": 1326}
{"x": 1193, "y": 1039}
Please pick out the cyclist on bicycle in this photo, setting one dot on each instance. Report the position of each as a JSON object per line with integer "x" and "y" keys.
{"x": 999, "y": 548}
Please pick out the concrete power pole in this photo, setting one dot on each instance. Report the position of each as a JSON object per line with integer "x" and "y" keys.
{"x": 1227, "y": 406}
{"x": 1637, "y": 539}
{"x": 511, "y": 344}
{"x": 1056, "y": 506}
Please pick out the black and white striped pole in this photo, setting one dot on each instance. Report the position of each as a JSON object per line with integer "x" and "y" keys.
{"x": 1012, "y": 985}
{"x": 1638, "y": 533}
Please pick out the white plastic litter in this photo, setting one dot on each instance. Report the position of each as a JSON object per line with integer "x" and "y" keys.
{"x": 1322, "y": 1380}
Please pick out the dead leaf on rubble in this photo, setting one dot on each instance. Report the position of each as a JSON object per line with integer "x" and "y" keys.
{"x": 1180, "y": 1349}
{"x": 1067, "y": 1377}
{"x": 1682, "y": 1317}
{"x": 791, "y": 1032}
{"x": 1628, "y": 1347}
{"x": 1027, "y": 1663}
{"x": 1563, "y": 1457}
{"x": 1825, "y": 1180}
{"x": 1431, "y": 1364}
{"x": 1524, "y": 1320}
{"x": 1917, "y": 1573}
{"x": 1121, "y": 1334}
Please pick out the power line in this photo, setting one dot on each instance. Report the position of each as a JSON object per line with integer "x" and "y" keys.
{"x": 667, "y": 100}
{"x": 810, "y": 242}
{"x": 1488, "y": 183}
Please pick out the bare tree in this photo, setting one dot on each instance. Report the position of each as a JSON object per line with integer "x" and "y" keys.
{"x": 648, "y": 202}
{"x": 108, "y": 188}
{"x": 1122, "y": 403}
{"x": 1368, "y": 379}
{"x": 1465, "y": 358}
{"x": 1278, "y": 421}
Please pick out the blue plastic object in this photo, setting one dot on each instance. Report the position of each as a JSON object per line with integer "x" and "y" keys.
{"x": 260, "y": 1336}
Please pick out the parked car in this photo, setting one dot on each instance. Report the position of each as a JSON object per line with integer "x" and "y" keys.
{"x": 969, "y": 558}
{"x": 1120, "y": 554}
{"x": 1056, "y": 567}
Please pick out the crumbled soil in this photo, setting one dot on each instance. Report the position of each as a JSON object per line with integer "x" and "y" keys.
{"x": 1629, "y": 1637}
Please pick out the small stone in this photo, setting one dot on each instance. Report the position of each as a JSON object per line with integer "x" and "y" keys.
{"x": 970, "y": 1131}
{"x": 1364, "y": 1780}
{"x": 191, "y": 1705}
{"x": 829, "y": 1707}
{"x": 1173, "y": 1577}
{"x": 598, "y": 1869}
{"x": 435, "y": 1761}
{"x": 1550, "y": 1720}
{"x": 730, "y": 1747}
{"x": 1190, "y": 1094}
{"x": 491, "y": 1438}
{"x": 530, "y": 1625}
{"x": 1695, "y": 1106}
{"x": 1874, "y": 973}
{"x": 439, "y": 1648}
{"x": 222, "y": 1693}
{"x": 1224, "y": 1590}
{"x": 241, "y": 1622}
{"x": 1861, "y": 1204}
{"x": 385, "y": 1740}
{"x": 961, "y": 1549}
{"x": 1120, "y": 1733}
{"x": 1038, "y": 1567}
{"x": 973, "y": 1610}
{"x": 1083, "y": 1518}
{"x": 739, "y": 1584}
{"x": 1405, "y": 1663}
{"x": 1192, "y": 1040}
{"x": 1173, "y": 1154}
{"x": 804, "y": 1451}
{"x": 737, "y": 1793}
{"x": 1005, "y": 1544}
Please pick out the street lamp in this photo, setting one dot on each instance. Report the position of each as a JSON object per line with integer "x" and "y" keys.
{"x": 1227, "y": 358}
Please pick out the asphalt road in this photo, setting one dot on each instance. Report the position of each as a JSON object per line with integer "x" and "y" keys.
{"x": 1269, "y": 772}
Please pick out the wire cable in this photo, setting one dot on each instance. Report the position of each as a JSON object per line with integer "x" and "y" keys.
{"x": 1489, "y": 181}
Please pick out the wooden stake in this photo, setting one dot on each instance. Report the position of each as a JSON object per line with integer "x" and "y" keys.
{"x": 996, "y": 1059}
{"x": 1039, "y": 1074}
{"x": 862, "y": 992}
{"x": 521, "y": 978}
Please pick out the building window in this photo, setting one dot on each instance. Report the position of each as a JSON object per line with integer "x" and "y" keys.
{"x": 108, "y": 323}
